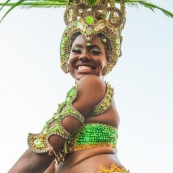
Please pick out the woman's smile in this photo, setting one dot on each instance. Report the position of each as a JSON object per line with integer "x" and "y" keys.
{"x": 84, "y": 69}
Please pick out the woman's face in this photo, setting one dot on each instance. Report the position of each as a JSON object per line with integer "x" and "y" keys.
{"x": 85, "y": 59}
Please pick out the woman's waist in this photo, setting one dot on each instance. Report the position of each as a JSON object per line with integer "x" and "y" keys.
{"x": 77, "y": 157}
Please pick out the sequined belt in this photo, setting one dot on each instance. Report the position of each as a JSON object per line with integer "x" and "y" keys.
{"x": 94, "y": 135}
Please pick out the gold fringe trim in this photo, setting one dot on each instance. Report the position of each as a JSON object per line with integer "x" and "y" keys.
{"x": 113, "y": 169}
{"x": 87, "y": 146}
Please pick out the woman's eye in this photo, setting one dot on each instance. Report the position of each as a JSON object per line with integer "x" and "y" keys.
{"x": 76, "y": 50}
{"x": 95, "y": 52}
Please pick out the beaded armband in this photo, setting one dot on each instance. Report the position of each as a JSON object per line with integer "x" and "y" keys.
{"x": 39, "y": 143}
{"x": 105, "y": 103}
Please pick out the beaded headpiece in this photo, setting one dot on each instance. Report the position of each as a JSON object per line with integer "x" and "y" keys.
{"x": 89, "y": 18}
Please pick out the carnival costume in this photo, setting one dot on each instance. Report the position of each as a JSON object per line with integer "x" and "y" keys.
{"x": 89, "y": 18}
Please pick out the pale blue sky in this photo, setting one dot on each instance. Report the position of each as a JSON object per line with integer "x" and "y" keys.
{"x": 32, "y": 84}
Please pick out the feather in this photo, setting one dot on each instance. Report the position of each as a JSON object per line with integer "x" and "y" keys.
{"x": 5, "y": 4}
{"x": 148, "y": 5}
{"x": 38, "y": 5}
{"x": 11, "y": 8}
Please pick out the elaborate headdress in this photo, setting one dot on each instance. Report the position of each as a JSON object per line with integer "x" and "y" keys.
{"x": 89, "y": 18}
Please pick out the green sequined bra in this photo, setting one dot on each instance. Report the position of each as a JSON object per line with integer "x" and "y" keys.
{"x": 94, "y": 135}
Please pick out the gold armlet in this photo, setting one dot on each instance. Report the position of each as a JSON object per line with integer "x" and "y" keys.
{"x": 39, "y": 143}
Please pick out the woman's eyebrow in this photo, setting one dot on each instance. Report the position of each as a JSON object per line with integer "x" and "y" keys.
{"x": 77, "y": 45}
{"x": 94, "y": 46}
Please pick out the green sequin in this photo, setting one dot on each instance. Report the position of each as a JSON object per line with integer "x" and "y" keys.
{"x": 38, "y": 142}
{"x": 71, "y": 93}
{"x": 89, "y": 31}
{"x": 79, "y": 24}
{"x": 64, "y": 38}
{"x": 117, "y": 41}
{"x": 89, "y": 20}
{"x": 88, "y": 44}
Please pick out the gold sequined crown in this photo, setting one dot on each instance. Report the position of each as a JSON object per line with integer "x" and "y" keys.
{"x": 90, "y": 18}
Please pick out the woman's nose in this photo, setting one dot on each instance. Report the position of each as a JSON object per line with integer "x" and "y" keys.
{"x": 84, "y": 57}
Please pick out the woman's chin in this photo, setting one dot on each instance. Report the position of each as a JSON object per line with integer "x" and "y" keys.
{"x": 78, "y": 76}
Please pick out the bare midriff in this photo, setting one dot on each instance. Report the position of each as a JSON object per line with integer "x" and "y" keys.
{"x": 86, "y": 160}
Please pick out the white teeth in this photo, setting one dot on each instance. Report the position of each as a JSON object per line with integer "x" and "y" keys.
{"x": 84, "y": 68}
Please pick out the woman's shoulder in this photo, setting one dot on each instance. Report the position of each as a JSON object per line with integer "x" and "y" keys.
{"x": 92, "y": 83}
{"x": 90, "y": 92}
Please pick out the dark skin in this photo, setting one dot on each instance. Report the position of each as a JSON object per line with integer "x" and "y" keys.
{"x": 86, "y": 64}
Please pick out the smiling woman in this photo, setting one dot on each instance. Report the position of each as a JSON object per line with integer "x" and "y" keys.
{"x": 81, "y": 137}
{"x": 86, "y": 59}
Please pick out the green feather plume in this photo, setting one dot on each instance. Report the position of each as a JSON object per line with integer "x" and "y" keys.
{"x": 62, "y": 3}
{"x": 148, "y": 5}
{"x": 11, "y": 8}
